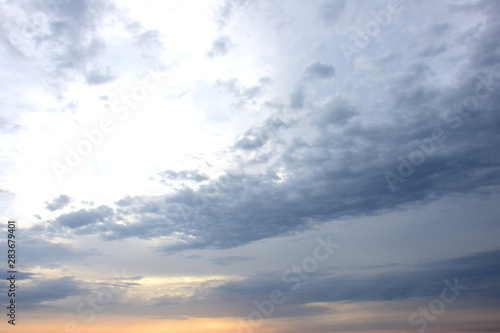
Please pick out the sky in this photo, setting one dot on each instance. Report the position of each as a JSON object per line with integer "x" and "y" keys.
{"x": 251, "y": 166}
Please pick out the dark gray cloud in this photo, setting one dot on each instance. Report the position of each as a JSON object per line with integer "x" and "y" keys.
{"x": 126, "y": 201}
{"x": 337, "y": 174}
{"x": 84, "y": 217}
{"x": 23, "y": 275}
{"x": 331, "y": 10}
{"x": 485, "y": 46}
{"x": 256, "y": 137}
{"x": 432, "y": 51}
{"x": 440, "y": 29}
{"x": 319, "y": 70}
{"x": 36, "y": 292}
{"x": 59, "y": 203}
{"x": 475, "y": 276}
{"x": 337, "y": 111}
{"x": 478, "y": 272}
{"x": 297, "y": 97}
{"x": 185, "y": 175}
{"x": 341, "y": 170}
{"x": 39, "y": 251}
{"x": 230, "y": 260}
{"x": 220, "y": 47}
{"x": 54, "y": 289}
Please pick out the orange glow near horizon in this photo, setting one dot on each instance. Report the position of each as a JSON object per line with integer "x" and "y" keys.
{"x": 373, "y": 314}
{"x": 70, "y": 324}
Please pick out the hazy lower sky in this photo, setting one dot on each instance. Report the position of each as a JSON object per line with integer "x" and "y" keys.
{"x": 251, "y": 166}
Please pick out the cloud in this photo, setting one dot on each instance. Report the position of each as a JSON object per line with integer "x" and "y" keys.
{"x": 7, "y": 126}
{"x": 331, "y": 10}
{"x": 84, "y": 217}
{"x": 243, "y": 95}
{"x": 338, "y": 173}
{"x": 73, "y": 38}
{"x": 226, "y": 11}
{"x": 303, "y": 291}
{"x": 99, "y": 76}
{"x": 146, "y": 39}
{"x": 319, "y": 70}
{"x": 70, "y": 40}
{"x": 40, "y": 251}
{"x": 38, "y": 291}
{"x": 477, "y": 272}
{"x": 185, "y": 175}
{"x": 5, "y": 192}
{"x": 287, "y": 143}
{"x": 432, "y": 51}
{"x": 485, "y": 48}
{"x": 334, "y": 163}
{"x": 256, "y": 137}
{"x": 231, "y": 260}
{"x": 297, "y": 98}
{"x": 337, "y": 110}
{"x": 220, "y": 47}
{"x": 24, "y": 275}
{"x": 440, "y": 29}
{"x": 193, "y": 256}
{"x": 58, "y": 203}
{"x": 130, "y": 278}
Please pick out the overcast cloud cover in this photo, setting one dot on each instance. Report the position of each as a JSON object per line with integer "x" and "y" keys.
{"x": 252, "y": 165}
